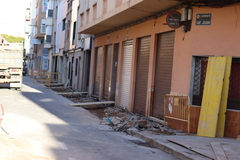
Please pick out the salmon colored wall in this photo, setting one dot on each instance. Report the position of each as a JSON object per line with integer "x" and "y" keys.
{"x": 151, "y": 27}
{"x": 220, "y": 38}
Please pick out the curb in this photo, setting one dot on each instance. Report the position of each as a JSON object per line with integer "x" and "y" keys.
{"x": 168, "y": 147}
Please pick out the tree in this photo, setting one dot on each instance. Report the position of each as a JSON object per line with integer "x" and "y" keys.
{"x": 13, "y": 39}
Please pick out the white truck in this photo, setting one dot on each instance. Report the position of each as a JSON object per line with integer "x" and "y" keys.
{"x": 11, "y": 66}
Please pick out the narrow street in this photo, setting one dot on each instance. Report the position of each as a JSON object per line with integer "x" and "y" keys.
{"x": 42, "y": 126}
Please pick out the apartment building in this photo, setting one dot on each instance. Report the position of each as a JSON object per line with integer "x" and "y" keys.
{"x": 145, "y": 49}
{"x": 27, "y": 30}
{"x": 39, "y": 53}
{"x": 77, "y": 53}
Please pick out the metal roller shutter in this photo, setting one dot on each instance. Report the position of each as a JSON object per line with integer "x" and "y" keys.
{"x": 142, "y": 75}
{"x": 126, "y": 73}
{"x": 163, "y": 72}
{"x": 107, "y": 72}
{"x": 114, "y": 72}
{"x": 98, "y": 71}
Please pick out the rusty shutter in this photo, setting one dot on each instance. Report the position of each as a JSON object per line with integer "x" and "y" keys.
{"x": 142, "y": 75}
{"x": 107, "y": 71}
{"x": 163, "y": 72}
{"x": 98, "y": 71}
{"x": 126, "y": 73}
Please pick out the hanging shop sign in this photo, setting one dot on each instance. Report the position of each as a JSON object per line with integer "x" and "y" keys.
{"x": 203, "y": 19}
{"x": 173, "y": 19}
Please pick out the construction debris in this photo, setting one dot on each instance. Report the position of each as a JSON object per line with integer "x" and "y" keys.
{"x": 122, "y": 120}
{"x": 119, "y": 118}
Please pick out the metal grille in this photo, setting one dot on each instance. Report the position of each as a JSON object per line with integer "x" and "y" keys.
{"x": 234, "y": 84}
{"x": 98, "y": 71}
{"x": 108, "y": 58}
{"x": 142, "y": 75}
{"x": 126, "y": 73}
{"x": 163, "y": 72}
{"x": 200, "y": 70}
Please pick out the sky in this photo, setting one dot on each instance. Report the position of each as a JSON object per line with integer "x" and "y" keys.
{"x": 12, "y": 17}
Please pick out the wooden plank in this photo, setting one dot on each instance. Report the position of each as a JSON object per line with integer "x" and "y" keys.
{"x": 91, "y": 103}
{"x": 63, "y": 93}
{"x": 211, "y": 97}
{"x": 218, "y": 150}
{"x": 224, "y": 99}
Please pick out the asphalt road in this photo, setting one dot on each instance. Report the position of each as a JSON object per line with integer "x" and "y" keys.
{"x": 41, "y": 125}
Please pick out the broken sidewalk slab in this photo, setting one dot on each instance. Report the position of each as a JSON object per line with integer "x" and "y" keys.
{"x": 206, "y": 146}
{"x": 64, "y": 93}
{"x": 219, "y": 151}
{"x": 91, "y": 103}
{"x": 203, "y": 150}
{"x": 163, "y": 144}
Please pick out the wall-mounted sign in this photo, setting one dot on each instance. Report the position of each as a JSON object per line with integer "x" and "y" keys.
{"x": 88, "y": 43}
{"x": 203, "y": 19}
{"x": 173, "y": 19}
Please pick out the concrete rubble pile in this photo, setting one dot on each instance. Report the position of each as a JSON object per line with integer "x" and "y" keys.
{"x": 123, "y": 121}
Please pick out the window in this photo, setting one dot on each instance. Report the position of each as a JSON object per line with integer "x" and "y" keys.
{"x": 49, "y": 13}
{"x": 81, "y": 19}
{"x": 87, "y": 5}
{"x": 234, "y": 86}
{"x": 43, "y": 26}
{"x": 94, "y": 2}
{"x": 87, "y": 16}
{"x": 36, "y": 12}
{"x": 69, "y": 69}
{"x": 48, "y": 38}
{"x": 76, "y": 69}
{"x": 55, "y": 38}
{"x": 95, "y": 11}
{"x": 105, "y": 2}
{"x": 118, "y": 3}
{"x": 44, "y": 5}
{"x": 63, "y": 24}
{"x": 74, "y": 32}
{"x": 56, "y": 12}
{"x": 200, "y": 69}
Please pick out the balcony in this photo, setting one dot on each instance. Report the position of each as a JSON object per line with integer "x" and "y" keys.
{"x": 39, "y": 36}
{"x": 125, "y": 14}
{"x": 49, "y": 21}
{"x": 47, "y": 42}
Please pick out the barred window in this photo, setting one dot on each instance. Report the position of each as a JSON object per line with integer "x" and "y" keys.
{"x": 200, "y": 69}
{"x": 234, "y": 85}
